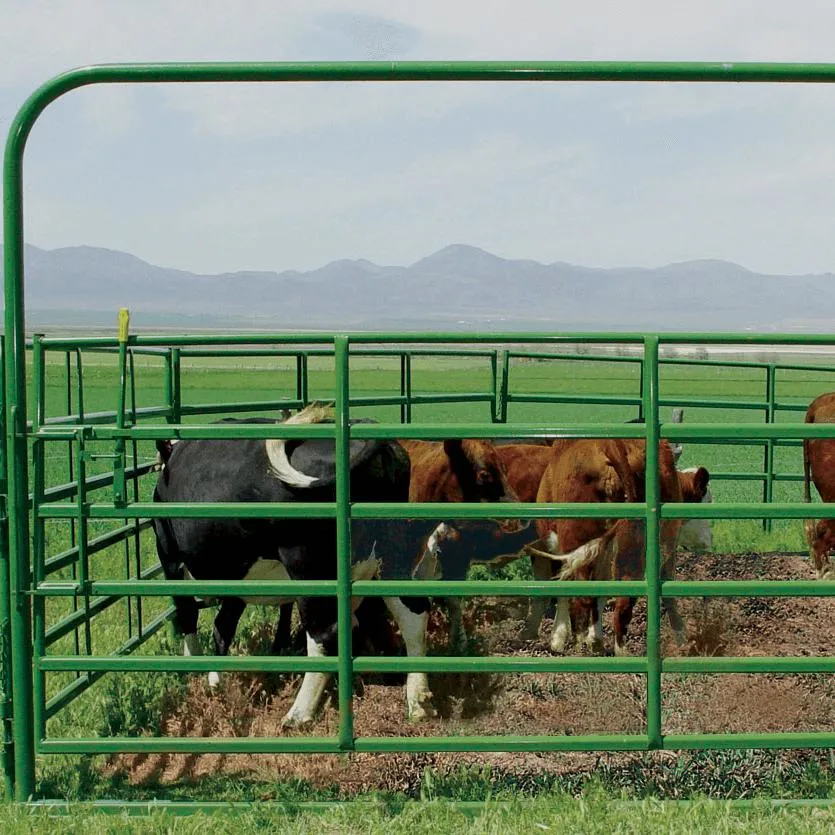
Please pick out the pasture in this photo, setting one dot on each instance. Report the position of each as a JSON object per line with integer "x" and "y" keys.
{"x": 251, "y": 705}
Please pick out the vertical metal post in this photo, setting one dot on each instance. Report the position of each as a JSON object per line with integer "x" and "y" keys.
{"x": 79, "y": 384}
{"x": 83, "y": 555}
{"x": 406, "y": 387}
{"x": 641, "y": 406}
{"x": 70, "y": 478}
{"x": 343, "y": 546}
{"x": 17, "y": 451}
{"x": 494, "y": 373}
{"x": 653, "y": 540}
{"x": 176, "y": 387}
{"x": 504, "y": 388}
{"x": 768, "y": 462}
{"x": 302, "y": 381}
{"x": 120, "y": 496}
{"x": 137, "y": 550}
{"x": 6, "y": 713}
{"x": 38, "y": 540}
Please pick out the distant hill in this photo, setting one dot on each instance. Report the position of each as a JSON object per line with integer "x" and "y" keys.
{"x": 457, "y": 288}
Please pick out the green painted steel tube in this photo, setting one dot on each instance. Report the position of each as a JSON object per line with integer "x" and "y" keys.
{"x": 653, "y": 541}
{"x": 345, "y": 681}
{"x": 768, "y": 449}
{"x": 370, "y": 664}
{"x": 38, "y": 539}
{"x": 695, "y": 432}
{"x": 311, "y": 745}
{"x": 6, "y": 709}
{"x": 330, "y": 745}
{"x": 758, "y": 664}
{"x": 360, "y": 338}
{"x": 361, "y": 588}
{"x": 449, "y": 588}
{"x": 406, "y": 388}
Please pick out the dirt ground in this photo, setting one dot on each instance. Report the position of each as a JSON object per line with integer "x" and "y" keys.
{"x": 535, "y": 703}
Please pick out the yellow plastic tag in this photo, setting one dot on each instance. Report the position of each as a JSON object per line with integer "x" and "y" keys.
{"x": 124, "y": 324}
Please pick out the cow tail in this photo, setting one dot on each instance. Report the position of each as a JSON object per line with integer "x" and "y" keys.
{"x": 809, "y": 524}
{"x": 595, "y": 554}
{"x": 620, "y": 462}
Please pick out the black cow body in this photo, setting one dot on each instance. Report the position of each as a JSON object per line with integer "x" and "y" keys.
{"x": 296, "y": 549}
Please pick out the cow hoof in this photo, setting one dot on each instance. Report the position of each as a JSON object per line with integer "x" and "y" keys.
{"x": 422, "y": 708}
{"x": 621, "y": 651}
{"x": 529, "y": 633}
{"x": 292, "y": 723}
{"x": 558, "y": 643}
{"x": 595, "y": 646}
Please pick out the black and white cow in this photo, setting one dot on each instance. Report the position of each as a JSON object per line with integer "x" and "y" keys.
{"x": 258, "y": 470}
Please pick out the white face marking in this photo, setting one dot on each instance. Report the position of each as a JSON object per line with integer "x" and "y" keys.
{"x": 309, "y": 698}
{"x": 413, "y": 629}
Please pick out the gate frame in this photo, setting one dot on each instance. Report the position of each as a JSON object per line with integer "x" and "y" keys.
{"x": 16, "y": 439}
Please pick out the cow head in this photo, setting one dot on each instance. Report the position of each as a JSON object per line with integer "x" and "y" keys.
{"x": 481, "y": 475}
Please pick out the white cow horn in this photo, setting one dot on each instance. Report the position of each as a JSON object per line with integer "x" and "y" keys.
{"x": 280, "y": 464}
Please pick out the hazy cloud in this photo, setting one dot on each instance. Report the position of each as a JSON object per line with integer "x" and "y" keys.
{"x": 221, "y": 177}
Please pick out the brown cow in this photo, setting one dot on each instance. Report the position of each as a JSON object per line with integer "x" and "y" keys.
{"x": 604, "y": 470}
{"x": 469, "y": 470}
{"x": 694, "y": 535}
{"x": 819, "y": 466}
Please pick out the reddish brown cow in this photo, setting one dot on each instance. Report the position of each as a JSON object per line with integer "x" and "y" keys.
{"x": 611, "y": 471}
{"x": 819, "y": 466}
{"x": 468, "y": 470}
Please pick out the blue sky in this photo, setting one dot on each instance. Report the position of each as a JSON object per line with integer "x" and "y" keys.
{"x": 212, "y": 178}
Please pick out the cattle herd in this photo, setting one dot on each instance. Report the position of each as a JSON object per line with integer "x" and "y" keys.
{"x": 565, "y": 471}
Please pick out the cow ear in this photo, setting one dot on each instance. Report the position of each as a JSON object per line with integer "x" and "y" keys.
{"x": 453, "y": 447}
{"x": 701, "y": 479}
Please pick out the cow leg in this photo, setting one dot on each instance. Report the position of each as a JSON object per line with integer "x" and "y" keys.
{"x": 413, "y": 629}
{"x": 283, "y": 631}
{"x": 670, "y": 608}
{"x": 561, "y": 628}
{"x": 457, "y": 635}
{"x": 621, "y": 618}
{"x": 226, "y": 622}
{"x": 308, "y": 700}
{"x": 594, "y": 634}
{"x": 543, "y": 569}
{"x": 670, "y": 604}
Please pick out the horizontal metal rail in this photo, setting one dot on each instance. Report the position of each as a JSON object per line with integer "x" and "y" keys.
{"x": 437, "y": 664}
{"x": 436, "y": 510}
{"x": 430, "y": 744}
{"x": 441, "y": 588}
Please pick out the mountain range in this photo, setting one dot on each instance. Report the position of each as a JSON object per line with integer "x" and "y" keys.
{"x": 457, "y": 288}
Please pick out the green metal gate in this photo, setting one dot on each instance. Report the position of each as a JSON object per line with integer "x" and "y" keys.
{"x": 116, "y": 435}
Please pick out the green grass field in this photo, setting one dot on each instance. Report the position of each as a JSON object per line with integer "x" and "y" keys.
{"x": 133, "y": 704}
